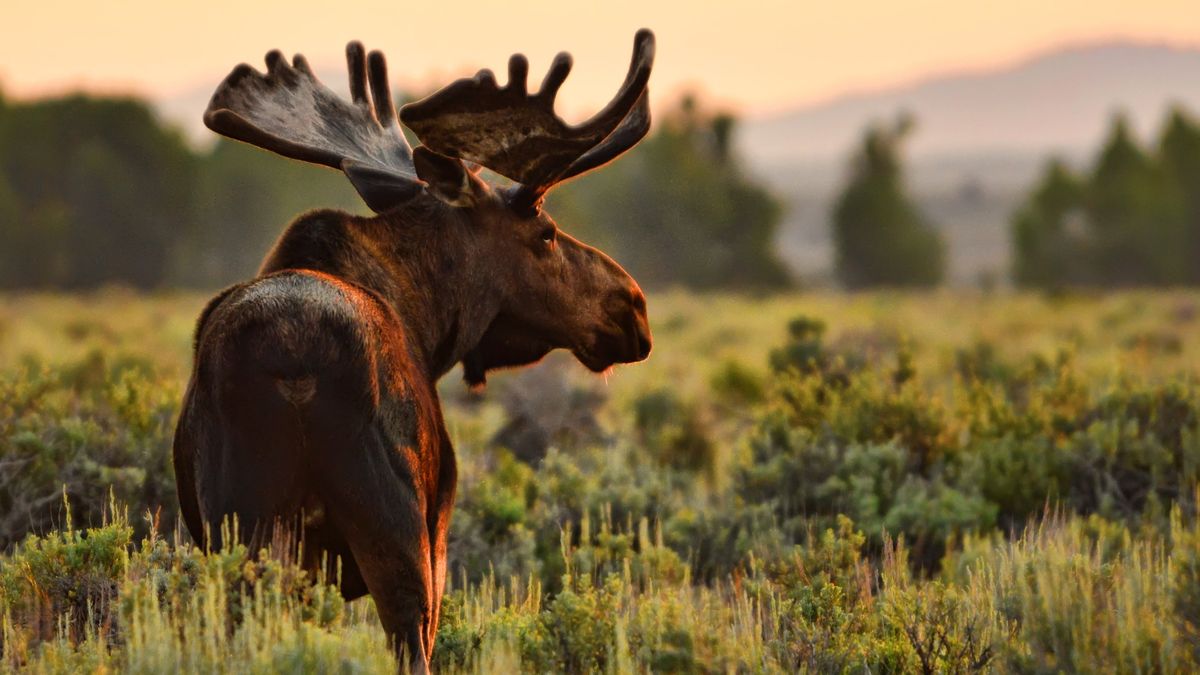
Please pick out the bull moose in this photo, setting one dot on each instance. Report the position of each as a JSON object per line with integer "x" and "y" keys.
{"x": 312, "y": 403}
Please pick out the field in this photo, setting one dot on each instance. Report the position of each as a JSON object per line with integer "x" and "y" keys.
{"x": 939, "y": 482}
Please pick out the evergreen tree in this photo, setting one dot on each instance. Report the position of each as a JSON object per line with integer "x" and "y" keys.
{"x": 1136, "y": 216}
{"x": 880, "y": 236}
{"x": 1179, "y": 152}
{"x": 104, "y": 192}
{"x": 1051, "y": 245}
{"x": 245, "y": 197}
{"x": 1134, "y": 220}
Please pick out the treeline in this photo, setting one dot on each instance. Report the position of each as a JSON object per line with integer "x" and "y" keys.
{"x": 1131, "y": 219}
{"x": 98, "y": 191}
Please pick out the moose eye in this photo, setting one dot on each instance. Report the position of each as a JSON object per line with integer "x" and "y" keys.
{"x": 548, "y": 235}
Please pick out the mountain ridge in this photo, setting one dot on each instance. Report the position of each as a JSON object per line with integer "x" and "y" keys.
{"x": 1058, "y": 101}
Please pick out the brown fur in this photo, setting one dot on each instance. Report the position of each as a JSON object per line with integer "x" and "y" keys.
{"x": 313, "y": 403}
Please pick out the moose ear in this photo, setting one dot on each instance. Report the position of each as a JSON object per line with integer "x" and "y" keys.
{"x": 381, "y": 189}
{"x": 446, "y": 178}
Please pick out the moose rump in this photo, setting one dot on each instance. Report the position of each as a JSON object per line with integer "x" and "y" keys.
{"x": 305, "y": 416}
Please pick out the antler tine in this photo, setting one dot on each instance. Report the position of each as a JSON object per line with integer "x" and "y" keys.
{"x": 381, "y": 91}
{"x": 301, "y": 64}
{"x": 634, "y": 86}
{"x": 276, "y": 64}
{"x": 519, "y": 135}
{"x": 559, "y": 69}
{"x": 356, "y": 64}
{"x": 518, "y": 75}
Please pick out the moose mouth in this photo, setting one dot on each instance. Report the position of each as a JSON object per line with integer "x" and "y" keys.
{"x": 611, "y": 347}
{"x": 593, "y": 362}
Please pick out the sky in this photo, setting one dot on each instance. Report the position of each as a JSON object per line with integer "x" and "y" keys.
{"x": 756, "y": 57}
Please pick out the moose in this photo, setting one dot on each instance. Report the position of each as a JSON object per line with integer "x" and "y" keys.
{"x": 312, "y": 404}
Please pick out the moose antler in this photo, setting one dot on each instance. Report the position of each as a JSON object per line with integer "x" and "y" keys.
{"x": 511, "y": 132}
{"x": 289, "y": 111}
{"x": 519, "y": 136}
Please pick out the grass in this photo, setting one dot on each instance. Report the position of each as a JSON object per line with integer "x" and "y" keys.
{"x": 896, "y": 483}
{"x": 1062, "y": 597}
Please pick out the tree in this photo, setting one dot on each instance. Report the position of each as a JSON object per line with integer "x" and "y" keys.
{"x": 680, "y": 209}
{"x": 880, "y": 237}
{"x": 1179, "y": 153}
{"x": 103, "y": 192}
{"x": 1135, "y": 214}
{"x": 245, "y": 197}
{"x": 1051, "y": 246}
{"x": 1133, "y": 220}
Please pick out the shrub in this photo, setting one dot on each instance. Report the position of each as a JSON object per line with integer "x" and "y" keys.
{"x": 97, "y": 426}
{"x": 67, "y": 575}
{"x": 673, "y": 432}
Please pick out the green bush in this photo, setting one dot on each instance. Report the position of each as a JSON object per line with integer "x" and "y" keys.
{"x": 69, "y": 576}
{"x": 673, "y": 432}
{"x": 97, "y": 426}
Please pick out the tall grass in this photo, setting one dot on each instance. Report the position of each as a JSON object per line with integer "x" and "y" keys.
{"x": 1068, "y": 595}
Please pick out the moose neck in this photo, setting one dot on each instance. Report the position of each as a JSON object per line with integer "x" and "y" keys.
{"x": 419, "y": 259}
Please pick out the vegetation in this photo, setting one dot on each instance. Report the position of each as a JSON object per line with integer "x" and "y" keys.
{"x": 891, "y": 482}
{"x": 97, "y": 190}
{"x": 879, "y": 235}
{"x": 74, "y": 174}
{"x": 1132, "y": 219}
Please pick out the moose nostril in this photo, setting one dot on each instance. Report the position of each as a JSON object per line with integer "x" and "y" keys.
{"x": 643, "y": 341}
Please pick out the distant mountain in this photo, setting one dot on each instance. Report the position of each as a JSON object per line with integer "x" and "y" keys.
{"x": 1060, "y": 102}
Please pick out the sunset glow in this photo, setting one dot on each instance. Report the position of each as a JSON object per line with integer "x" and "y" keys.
{"x": 757, "y": 56}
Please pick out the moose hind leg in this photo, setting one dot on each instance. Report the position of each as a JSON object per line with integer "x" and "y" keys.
{"x": 381, "y": 518}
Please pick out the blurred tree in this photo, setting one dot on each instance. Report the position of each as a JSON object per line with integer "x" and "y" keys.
{"x": 1133, "y": 221}
{"x": 33, "y": 252}
{"x": 680, "y": 209}
{"x": 880, "y": 237}
{"x": 103, "y": 192}
{"x": 1179, "y": 153}
{"x": 11, "y": 252}
{"x": 1050, "y": 242}
{"x": 244, "y": 199}
{"x": 96, "y": 190}
{"x": 1136, "y": 215}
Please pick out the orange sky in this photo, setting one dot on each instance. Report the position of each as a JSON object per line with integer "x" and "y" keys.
{"x": 755, "y": 55}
